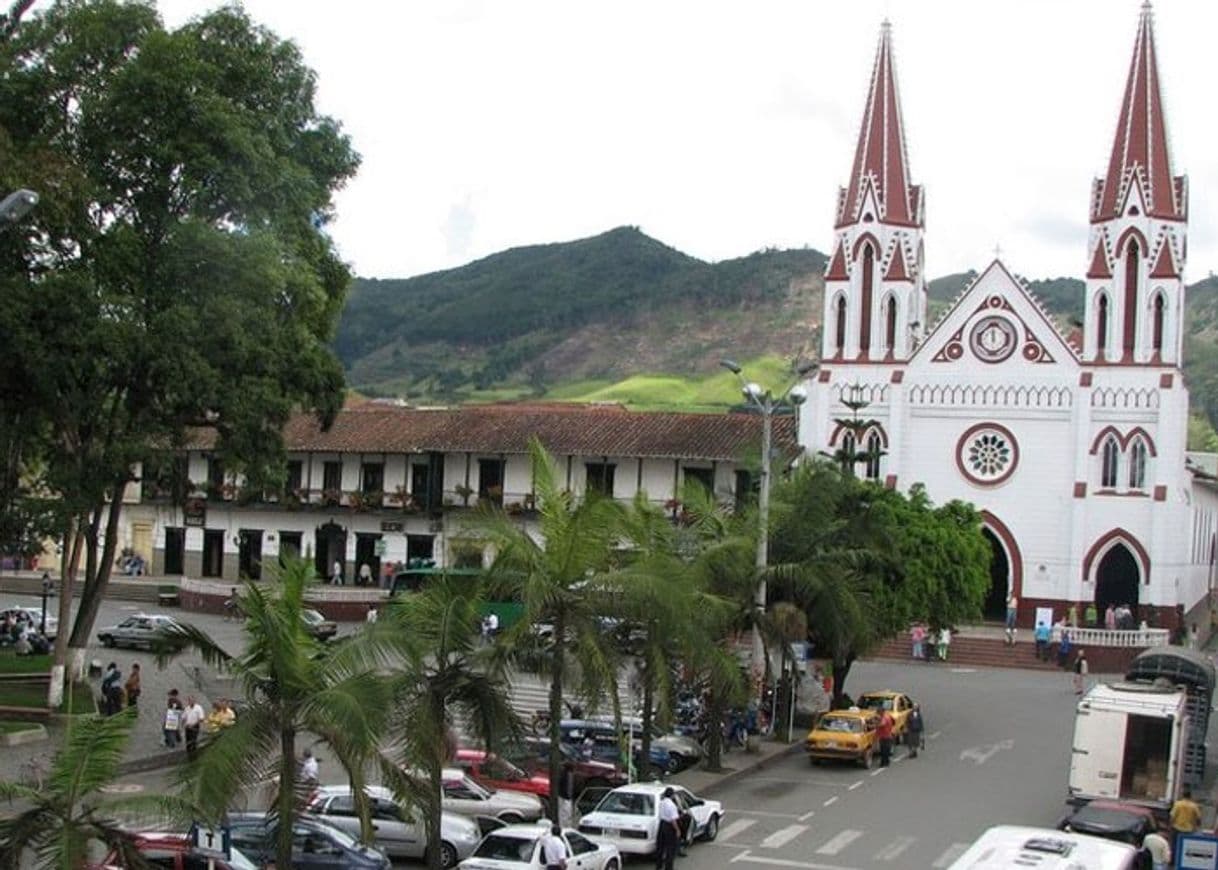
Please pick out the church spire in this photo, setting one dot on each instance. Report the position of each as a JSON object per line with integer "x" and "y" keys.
{"x": 880, "y": 160}
{"x": 1140, "y": 154}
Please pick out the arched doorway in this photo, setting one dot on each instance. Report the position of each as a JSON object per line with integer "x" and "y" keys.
{"x": 1117, "y": 578}
{"x": 995, "y": 605}
{"x": 331, "y": 546}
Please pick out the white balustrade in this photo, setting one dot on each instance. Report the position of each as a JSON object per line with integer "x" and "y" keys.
{"x": 1131, "y": 637}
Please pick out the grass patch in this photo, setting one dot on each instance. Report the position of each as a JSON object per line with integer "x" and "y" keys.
{"x": 11, "y": 663}
{"x": 35, "y": 696}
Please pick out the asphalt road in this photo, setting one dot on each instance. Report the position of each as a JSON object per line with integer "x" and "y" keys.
{"x": 998, "y": 751}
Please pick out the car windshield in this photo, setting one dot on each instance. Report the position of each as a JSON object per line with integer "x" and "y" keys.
{"x": 339, "y": 836}
{"x": 500, "y": 847}
{"x": 237, "y": 861}
{"x": 312, "y": 617}
{"x": 875, "y": 702}
{"x": 626, "y": 803}
{"x": 841, "y": 724}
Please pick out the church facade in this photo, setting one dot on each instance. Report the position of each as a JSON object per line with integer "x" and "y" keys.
{"x": 1073, "y": 447}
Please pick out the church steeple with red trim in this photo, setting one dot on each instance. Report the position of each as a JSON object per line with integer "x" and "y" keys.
{"x": 1139, "y": 211}
{"x": 875, "y": 295}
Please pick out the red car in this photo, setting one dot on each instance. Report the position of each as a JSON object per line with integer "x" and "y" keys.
{"x": 495, "y": 772}
{"x": 173, "y": 851}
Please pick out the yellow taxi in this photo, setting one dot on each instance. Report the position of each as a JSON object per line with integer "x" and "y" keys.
{"x": 844, "y": 735}
{"x": 897, "y": 704}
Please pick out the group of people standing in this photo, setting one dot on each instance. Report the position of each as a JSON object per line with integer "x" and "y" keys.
{"x": 117, "y": 693}
{"x": 929, "y": 644}
{"x": 914, "y": 734}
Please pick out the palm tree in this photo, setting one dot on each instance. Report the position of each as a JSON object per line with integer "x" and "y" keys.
{"x": 790, "y": 624}
{"x": 292, "y": 685}
{"x": 550, "y": 576}
{"x": 61, "y": 819}
{"x": 442, "y": 674}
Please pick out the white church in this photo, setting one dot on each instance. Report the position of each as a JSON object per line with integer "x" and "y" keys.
{"x": 1072, "y": 447}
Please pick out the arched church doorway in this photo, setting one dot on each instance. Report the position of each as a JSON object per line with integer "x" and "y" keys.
{"x": 995, "y": 606}
{"x": 331, "y": 545}
{"x": 1117, "y": 579}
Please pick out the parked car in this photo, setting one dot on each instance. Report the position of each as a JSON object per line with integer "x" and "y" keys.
{"x": 173, "y": 852}
{"x": 32, "y": 616}
{"x": 599, "y": 740}
{"x": 139, "y": 630}
{"x": 629, "y": 817}
{"x": 845, "y": 735}
{"x": 314, "y": 843}
{"x": 317, "y": 625}
{"x": 460, "y": 794}
{"x": 518, "y": 847}
{"x": 683, "y": 751}
{"x": 1113, "y": 820}
{"x": 532, "y": 754}
{"x": 495, "y": 772}
{"x": 395, "y": 832}
{"x": 897, "y": 704}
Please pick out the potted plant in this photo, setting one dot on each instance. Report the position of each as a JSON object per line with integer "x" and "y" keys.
{"x": 373, "y": 498}
{"x": 331, "y": 497}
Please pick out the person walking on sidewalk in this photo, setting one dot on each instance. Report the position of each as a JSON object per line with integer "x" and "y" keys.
{"x": 915, "y": 729}
{"x": 917, "y": 637}
{"x": 1080, "y": 672}
{"x": 1042, "y": 635}
{"x": 945, "y": 642}
{"x": 171, "y": 722}
{"x": 1012, "y": 614}
{"x": 553, "y": 850}
{"x": 132, "y": 686}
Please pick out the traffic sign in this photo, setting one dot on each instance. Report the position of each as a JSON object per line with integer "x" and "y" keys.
{"x": 1196, "y": 852}
{"x": 210, "y": 842}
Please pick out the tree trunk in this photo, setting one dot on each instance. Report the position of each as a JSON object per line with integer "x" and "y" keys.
{"x": 286, "y": 798}
{"x": 841, "y": 670}
{"x": 68, "y": 561}
{"x": 714, "y": 731}
{"x": 97, "y": 577}
{"x": 434, "y": 810}
{"x": 556, "y": 672}
{"x": 649, "y": 693}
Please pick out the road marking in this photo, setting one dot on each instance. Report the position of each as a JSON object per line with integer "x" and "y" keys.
{"x": 964, "y": 670}
{"x": 841, "y": 841}
{"x": 895, "y": 848}
{"x": 781, "y": 837}
{"x": 878, "y": 771}
{"x": 735, "y": 828}
{"x": 954, "y": 851}
{"x": 934, "y": 735}
{"x": 979, "y": 755}
{"x": 744, "y": 812}
{"x": 831, "y": 801}
{"x": 786, "y": 862}
{"x": 854, "y": 785}
{"x": 809, "y": 814}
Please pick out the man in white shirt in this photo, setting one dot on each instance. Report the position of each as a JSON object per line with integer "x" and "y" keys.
{"x": 669, "y": 832}
{"x": 1160, "y": 851}
{"x": 492, "y": 624}
{"x": 192, "y": 719}
{"x": 309, "y": 769}
{"x": 553, "y": 849}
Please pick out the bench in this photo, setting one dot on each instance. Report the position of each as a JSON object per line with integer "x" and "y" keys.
{"x": 167, "y": 596}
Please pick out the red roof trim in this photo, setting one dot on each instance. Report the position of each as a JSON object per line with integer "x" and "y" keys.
{"x": 1099, "y": 263}
{"x": 896, "y": 267}
{"x": 1165, "y": 266}
{"x": 837, "y": 266}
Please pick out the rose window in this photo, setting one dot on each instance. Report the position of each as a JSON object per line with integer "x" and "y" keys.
{"x": 987, "y": 454}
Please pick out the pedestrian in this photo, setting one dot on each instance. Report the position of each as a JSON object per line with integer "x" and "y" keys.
{"x": 917, "y": 637}
{"x": 387, "y": 576}
{"x": 915, "y": 731}
{"x": 1194, "y": 637}
{"x": 492, "y": 624}
{"x": 945, "y": 642}
{"x": 171, "y": 722}
{"x": 1063, "y": 651}
{"x": 132, "y": 686}
{"x": 1091, "y": 615}
{"x": 884, "y": 733}
{"x": 336, "y": 573}
{"x": 1156, "y": 845}
{"x": 554, "y": 850}
{"x": 1080, "y": 672}
{"x": 192, "y": 720}
{"x": 1185, "y": 818}
{"x": 1110, "y": 621}
{"x": 669, "y": 831}
{"x": 365, "y": 574}
{"x": 372, "y": 615}
{"x": 1041, "y": 635}
{"x": 310, "y": 770}
{"x": 1012, "y": 615}
{"x": 111, "y": 689}
{"x": 232, "y": 606}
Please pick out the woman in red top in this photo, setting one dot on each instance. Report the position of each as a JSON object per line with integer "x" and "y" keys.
{"x": 884, "y": 734}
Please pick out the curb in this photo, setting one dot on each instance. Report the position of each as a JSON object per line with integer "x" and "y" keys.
{"x": 151, "y": 762}
{"x": 731, "y": 776}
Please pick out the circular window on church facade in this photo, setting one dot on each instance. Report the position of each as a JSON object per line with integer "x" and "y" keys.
{"x": 987, "y": 454}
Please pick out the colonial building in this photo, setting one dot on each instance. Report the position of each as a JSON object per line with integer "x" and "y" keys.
{"x": 1073, "y": 447}
{"x": 393, "y": 484}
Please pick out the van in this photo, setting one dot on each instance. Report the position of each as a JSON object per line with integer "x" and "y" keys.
{"x": 1015, "y": 846}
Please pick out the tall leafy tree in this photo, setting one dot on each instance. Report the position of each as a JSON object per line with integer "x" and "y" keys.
{"x": 292, "y": 686}
{"x": 179, "y": 249}
{"x": 61, "y": 823}
{"x": 441, "y": 677}
{"x": 549, "y": 573}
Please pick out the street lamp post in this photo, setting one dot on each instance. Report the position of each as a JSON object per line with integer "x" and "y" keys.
{"x": 46, "y": 590}
{"x": 16, "y": 205}
{"x": 765, "y": 403}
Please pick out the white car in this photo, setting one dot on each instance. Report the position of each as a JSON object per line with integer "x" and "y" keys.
{"x": 462, "y": 795}
{"x": 33, "y": 616}
{"x": 392, "y": 831}
{"x": 629, "y": 817}
{"x": 518, "y": 847}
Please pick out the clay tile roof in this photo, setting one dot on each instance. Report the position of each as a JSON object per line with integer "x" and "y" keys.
{"x": 564, "y": 429}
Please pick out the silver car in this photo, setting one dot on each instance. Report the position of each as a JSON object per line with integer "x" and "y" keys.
{"x": 462, "y": 795}
{"x": 140, "y": 630}
{"x": 394, "y": 832}
{"x": 33, "y": 616}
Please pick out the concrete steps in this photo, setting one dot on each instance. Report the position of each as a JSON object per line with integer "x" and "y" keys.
{"x": 986, "y": 652}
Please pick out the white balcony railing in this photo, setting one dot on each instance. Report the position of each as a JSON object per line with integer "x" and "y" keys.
{"x": 1129, "y": 637}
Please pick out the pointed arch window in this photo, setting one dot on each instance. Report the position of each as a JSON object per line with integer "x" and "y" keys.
{"x": 890, "y": 325}
{"x": 1137, "y": 464}
{"x": 1101, "y": 325}
{"x": 839, "y": 325}
{"x": 1156, "y": 333}
{"x": 1110, "y": 457}
{"x": 868, "y": 286}
{"x": 848, "y": 452}
{"x": 1132, "y": 258}
{"x": 874, "y": 452}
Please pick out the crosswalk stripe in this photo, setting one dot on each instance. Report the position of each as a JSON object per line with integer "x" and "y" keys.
{"x": 954, "y": 851}
{"x": 736, "y": 827}
{"x": 783, "y": 836}
{"x": 895, "y": 848}
{"x": 841, "y": 841}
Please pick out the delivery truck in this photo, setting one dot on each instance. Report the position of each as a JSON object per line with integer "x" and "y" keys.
{"x": 1130, "y": 742}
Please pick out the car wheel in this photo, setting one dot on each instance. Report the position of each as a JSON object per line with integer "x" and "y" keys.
{"x": 674, "y": 763}
{"x": 712, "y": 829}
{"x": 448, "y": 855}
{"x": 511, "y": 818}
{"x": 611, "y": 864}
{"x": 107, "y": 641}
{"x": 866, "y": 760}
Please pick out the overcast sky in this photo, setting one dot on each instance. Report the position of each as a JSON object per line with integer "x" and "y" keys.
{"x": 721, "y": 128}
